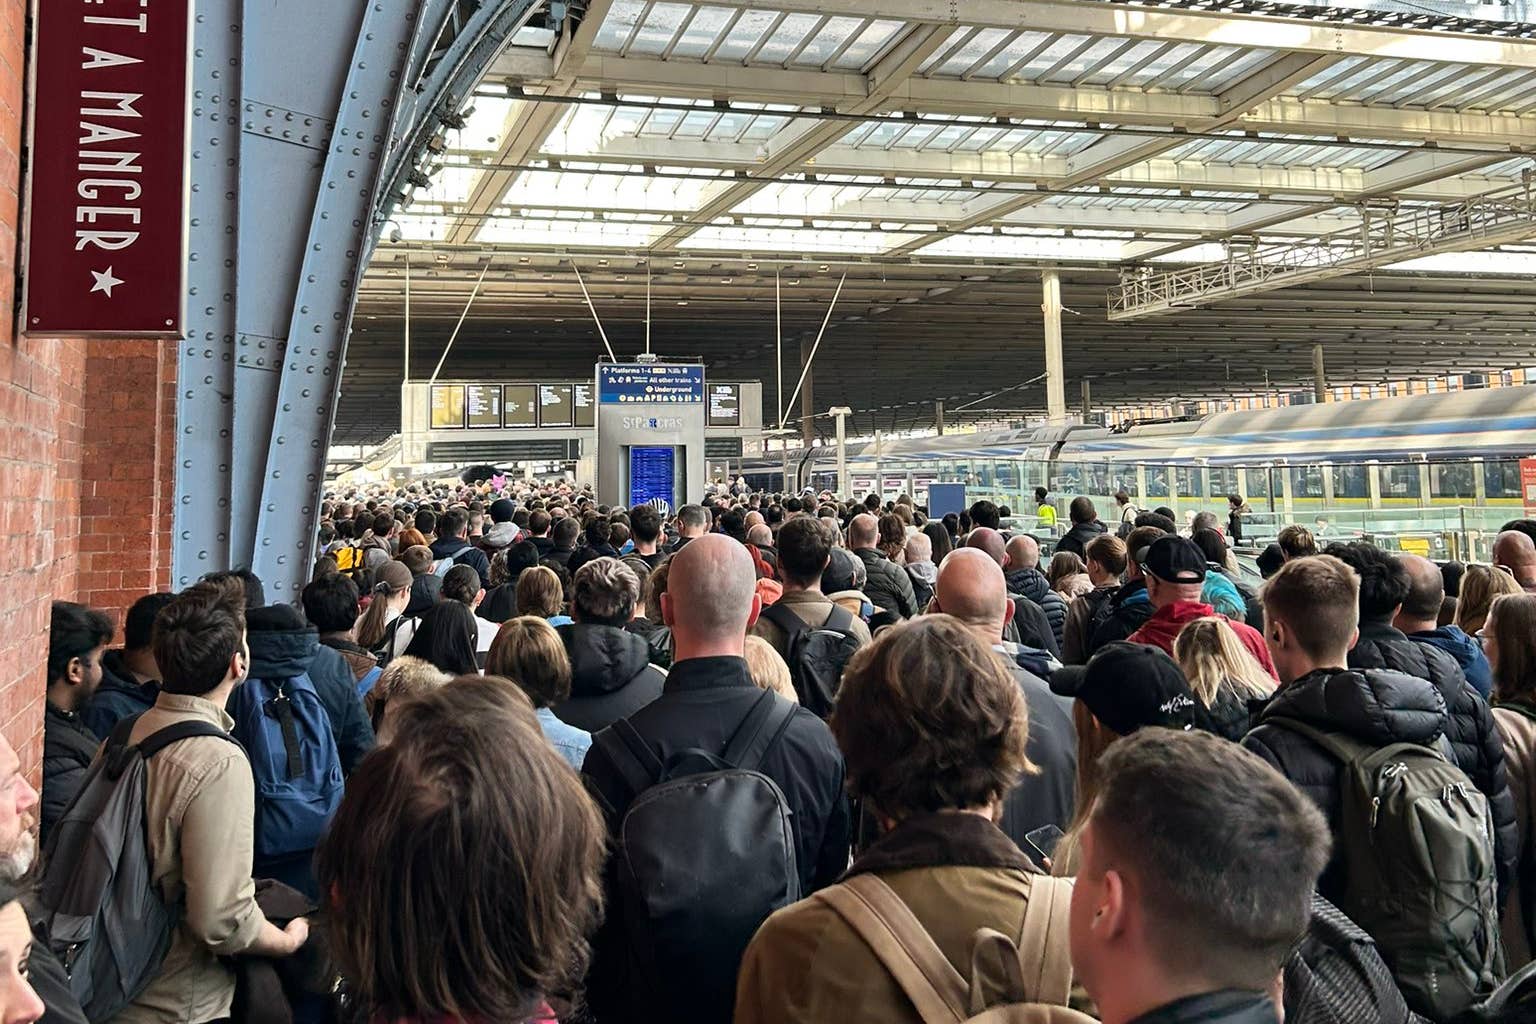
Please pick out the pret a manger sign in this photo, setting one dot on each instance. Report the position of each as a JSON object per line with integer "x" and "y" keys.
{"x": 106, "y": 233}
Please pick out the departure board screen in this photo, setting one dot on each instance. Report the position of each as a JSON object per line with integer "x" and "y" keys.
{"x": 447, "y": 406}
{"x": 725, "y": 405}
{"x": 652, "y": 474}
{"x": 483, "y": 405}
{"x": 586, "y": 412}
{"x": 555, "y": 401}
{"x": 520, "y": 406}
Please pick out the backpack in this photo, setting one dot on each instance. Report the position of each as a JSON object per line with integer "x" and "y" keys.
{"x": 1334, "y": 975}
{"x": 287, "y": 733}
{"x": 384, "y": 650}
{"x": 442, "y": 565}
{"x": 1006, "y": 985}
{"x": 1415, "y": 840}
{"x": 106, "y": 921}
{"x": 686, "y": 926}
{"x": 349, "y": 560}
{"x": 1514, "y": 1002}
{"x": 816, "y": 656}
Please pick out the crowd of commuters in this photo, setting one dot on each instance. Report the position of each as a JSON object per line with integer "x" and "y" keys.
{"x": 521, "y": 756}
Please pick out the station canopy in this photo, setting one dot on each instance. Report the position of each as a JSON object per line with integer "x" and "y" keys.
{"x": 694, "y": 167}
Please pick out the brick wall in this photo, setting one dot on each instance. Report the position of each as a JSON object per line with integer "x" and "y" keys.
{"x": 85, "y": 427}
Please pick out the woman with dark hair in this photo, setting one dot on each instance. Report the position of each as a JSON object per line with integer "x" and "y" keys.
{"x": 943, "y": 542}
{"x": 19, "y": 1003}
{"x": 454, "y": 895}
{"x": 446, "y": 638}
{"x": 893, "y": 537}
{"x": 528, "y": 651}
{"x": 933, "y": 730}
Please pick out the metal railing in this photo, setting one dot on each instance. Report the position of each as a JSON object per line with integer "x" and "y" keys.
{"x": 1388, "y": 232}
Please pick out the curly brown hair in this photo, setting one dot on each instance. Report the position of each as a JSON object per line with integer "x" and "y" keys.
{"x": 929, "y": 719}
{"x": 452, "y": 894}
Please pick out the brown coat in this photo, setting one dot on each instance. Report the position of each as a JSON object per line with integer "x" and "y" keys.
{"x": 956, "y": 872}
{"x": 1519, "y": 734}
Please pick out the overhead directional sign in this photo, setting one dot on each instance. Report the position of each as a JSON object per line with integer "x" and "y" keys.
{"x": 653, "y": 383}
{"x": 106, "y": 234}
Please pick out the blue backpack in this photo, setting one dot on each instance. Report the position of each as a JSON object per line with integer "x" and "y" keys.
{"x": 287, "y": 734}
{"x": 370, "y": 678}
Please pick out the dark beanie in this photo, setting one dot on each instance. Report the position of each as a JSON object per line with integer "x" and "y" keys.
{"x": 502, "y": 509}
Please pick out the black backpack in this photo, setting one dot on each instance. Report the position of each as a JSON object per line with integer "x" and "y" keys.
{"x": 703, "y": 855}
{"x": 1335, "y": 975}
{"x": 817, "y": 655}
{"x": 107, "y": 923}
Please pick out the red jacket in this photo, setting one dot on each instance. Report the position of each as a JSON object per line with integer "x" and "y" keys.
{"x": 1166, "y": 622}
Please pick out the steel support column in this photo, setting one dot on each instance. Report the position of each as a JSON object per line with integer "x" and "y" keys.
{"x": 1319, "y": 376}
{"x": 1055, "y": 386}
{"x": 807, "y": 399}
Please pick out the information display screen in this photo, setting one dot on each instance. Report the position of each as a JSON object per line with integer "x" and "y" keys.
{"x": 520, "y": 406}
{"x": 725, "y": 405}
{"x": 484, "y": 406}
{"x": 586, "y": 411}
{"x": 447, "y": 406}
{"x": 555, "y": 405}
{"x": 652, "y": 472}
{"x": 652, "y": 383}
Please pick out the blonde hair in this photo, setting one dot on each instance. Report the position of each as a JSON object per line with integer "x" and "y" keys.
{"x": 528, "y": 651}
{"x": 405, "y": 679}
{"x": 1480, "y": 585}
{"x": 768, "y": 668}
{"x": 1093, "y": 738}
{"x": 1215, "y": 660}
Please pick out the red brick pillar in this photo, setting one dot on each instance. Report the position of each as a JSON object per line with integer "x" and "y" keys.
{"x": 127, "y": 472}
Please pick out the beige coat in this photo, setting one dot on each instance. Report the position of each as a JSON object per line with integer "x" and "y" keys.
{"x": 1519, "y": 735}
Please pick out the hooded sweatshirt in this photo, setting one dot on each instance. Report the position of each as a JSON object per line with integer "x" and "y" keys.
{"x": 118, "y": 697}
{"x": 499, "y": 537}
{"x": 1470, "y": 656}
{"x": 611, "y": 675}
{"x": 285, "y": 653}
{"x": 1166, "y": 622}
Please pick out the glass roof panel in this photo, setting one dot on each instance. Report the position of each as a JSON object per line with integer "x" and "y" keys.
{"x": 1214, "y": 56}
{"x": 702, "y": 32}
{"x": 659, "y": 28}
{"x": 762, "y": 238}
{"x": 870, "y": 43}
{"x": 620, "y": 22}
{"x": 745, "y": 34}
{"x": 1030, "y": 246}
{"x": 1047, "y": 58}
{"x": 483, "y": 129}
{"x": 1124, "y": 62}
{"x": 564, "y": 232}
{"x": 786, "y": 39}
{"x": 981, "y": 44}
{"x": 1236, "y": 65}
{"x": 1014, "y": 52}
{"x": 1085, "y": 62}
{"x": 832, "y": 35}
{"x": 1164, "y": 63}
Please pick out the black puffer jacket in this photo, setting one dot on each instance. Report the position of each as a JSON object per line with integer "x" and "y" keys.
{"x": 1031, "y": 583}
{"x": 888, "y": 586}
{"x": 68, "y": 750}
{"x": 1475, "y": 741}
{"x": 1128, "y": 609}
{"x": 1079, "y": 537}
{"x": 1375, "y": 706}
{"x": 611, "y": 675}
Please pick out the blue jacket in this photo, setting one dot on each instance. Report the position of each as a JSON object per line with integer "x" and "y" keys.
{"x": 1468, "y": 654}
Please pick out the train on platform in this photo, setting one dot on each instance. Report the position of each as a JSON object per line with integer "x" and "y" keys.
{"x": 1456, "y": 449}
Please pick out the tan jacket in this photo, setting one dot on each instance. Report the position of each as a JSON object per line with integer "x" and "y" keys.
{"x": 200, "y": 807}
{"x": 807, "y": 965}
{"x": 1519, "y": 734}
{"x": 813, "y": 607}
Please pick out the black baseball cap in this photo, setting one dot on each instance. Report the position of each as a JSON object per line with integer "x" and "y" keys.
{"x": 1128, "y": 686}
{"x": 1173, "y": 560}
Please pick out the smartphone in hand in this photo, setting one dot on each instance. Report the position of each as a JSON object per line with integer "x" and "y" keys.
{"x": 1044, "y": 839}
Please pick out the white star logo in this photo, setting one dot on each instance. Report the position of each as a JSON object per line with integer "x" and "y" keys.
{"x": 105, "y": 282}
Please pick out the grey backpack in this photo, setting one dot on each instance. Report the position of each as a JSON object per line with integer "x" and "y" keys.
{"x": 1415, "y": 841}
{"x": 106, "y": 921}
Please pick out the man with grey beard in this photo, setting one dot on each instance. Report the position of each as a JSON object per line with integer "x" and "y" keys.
{"x": 18, "y": 852}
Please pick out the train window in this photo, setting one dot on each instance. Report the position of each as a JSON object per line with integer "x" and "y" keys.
{"x": 1306, "y": 481}
{"x": 1121, "y": 478}
{"x": 1258, "y": 482}
{"x": 1069, "y": 478}
{"x": 1157, "y": 481}
{"x": 1452, "y": 480}
{"x": 1502, "y": 479}
{"x": 1007, "y": 474}
{"x": 1188, "y": 480}
{"x": 1226, "y": 480}
{"x": 1400, "y": 482}
{"x": 1350, "y": 481}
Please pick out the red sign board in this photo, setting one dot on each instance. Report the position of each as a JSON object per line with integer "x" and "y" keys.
{"x": 106, "y": 235}
{"x": 1528, "y": 484}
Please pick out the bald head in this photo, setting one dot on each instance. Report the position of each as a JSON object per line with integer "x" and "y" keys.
{"x": 760, "y": 535}
{"x": 1023, "y": 552}
{"x": 972, "y": 589}
{"x": 711, "y": 598}
{"x": 989, "y": 541}
{"x": 863, "y": 532}
{"x": 1517, "y": 552}
{"x": 1420, "y": 612}
{"x": 755, "y": 518}
{"x": 830, "y": 522}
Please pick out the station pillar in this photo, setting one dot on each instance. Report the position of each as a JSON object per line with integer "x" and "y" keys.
{"x": 1087, "y": 399}
{"x": 938, "y": 417}
{"x": 1055, "y": 386}
{"x": 1319, "y": 376}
